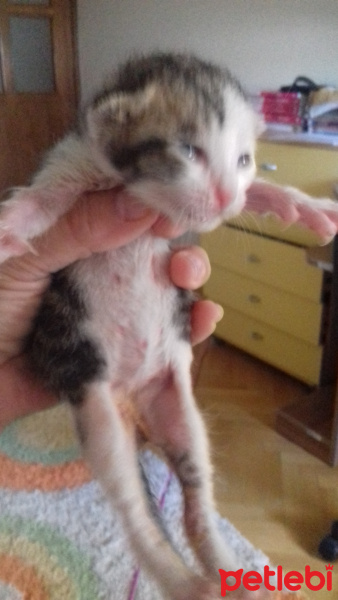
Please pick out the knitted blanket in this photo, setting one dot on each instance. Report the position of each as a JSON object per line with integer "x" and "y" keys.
{"x": 59, "y": 539}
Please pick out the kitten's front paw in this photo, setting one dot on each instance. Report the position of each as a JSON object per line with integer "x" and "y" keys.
{"x": 21, "y": 218}
{"x": 11, "y": 245}
{"x": 319, "y": 216}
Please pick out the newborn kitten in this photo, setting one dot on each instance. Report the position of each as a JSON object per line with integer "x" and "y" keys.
{"x": 112, "y": 334}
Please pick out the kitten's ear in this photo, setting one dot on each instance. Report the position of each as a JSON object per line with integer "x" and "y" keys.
{"x": 117, "y": 110}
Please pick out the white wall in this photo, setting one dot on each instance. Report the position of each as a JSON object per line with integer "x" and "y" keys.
{"x": 266, "y": 43}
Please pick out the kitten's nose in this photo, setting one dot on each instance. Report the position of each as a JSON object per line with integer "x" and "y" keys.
{"x": 223, "y": 197}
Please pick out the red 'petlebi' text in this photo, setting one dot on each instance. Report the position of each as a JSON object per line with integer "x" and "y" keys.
{"x": 275, "y": 580}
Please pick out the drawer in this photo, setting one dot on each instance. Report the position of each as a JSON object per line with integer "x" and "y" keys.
{"x": 284, "y": 311}
{"x": 298, "y": 358}
{"x": 311, "y": 169}
{"x": 275, "y": 263}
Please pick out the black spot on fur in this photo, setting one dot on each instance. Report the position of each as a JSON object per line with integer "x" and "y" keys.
{"x": 187, "y": 470}
{"x": 182, "y": 313}
{"x": 127, "y": 156}
{"x": 148, "y": 159}
{"x": 58, "y": 352}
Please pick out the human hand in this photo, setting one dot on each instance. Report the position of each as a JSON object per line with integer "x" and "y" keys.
{"x": 91, "y": 226}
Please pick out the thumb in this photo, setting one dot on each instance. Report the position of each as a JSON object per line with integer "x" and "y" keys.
{"x": 98, "y": 222}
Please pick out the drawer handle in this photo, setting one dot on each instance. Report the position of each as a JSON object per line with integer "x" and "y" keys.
{"x": 268, "y": 167}
{"x": 254, "y": 259}
{"x": 258, "y": 337}
{"x": 254, "y": 299}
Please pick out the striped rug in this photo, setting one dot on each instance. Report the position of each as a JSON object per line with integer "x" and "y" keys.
{"x": 59, "y": 540}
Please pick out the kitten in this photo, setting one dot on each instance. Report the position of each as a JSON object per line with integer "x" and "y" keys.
{"x": 112, "y": 333}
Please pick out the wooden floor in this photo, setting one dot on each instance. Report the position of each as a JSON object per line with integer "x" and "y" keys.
{"x": 281, "y": 498}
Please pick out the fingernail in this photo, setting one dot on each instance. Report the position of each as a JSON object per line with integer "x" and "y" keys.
{"x": 220, "y": 313}
{"x": 198, "y": 271}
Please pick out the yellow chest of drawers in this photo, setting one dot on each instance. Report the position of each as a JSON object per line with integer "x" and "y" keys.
{"x": 272, "y": 297}
{"x": 311, "y": 169}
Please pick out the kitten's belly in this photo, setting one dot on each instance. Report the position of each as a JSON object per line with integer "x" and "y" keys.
{"x": 131, "y": 306}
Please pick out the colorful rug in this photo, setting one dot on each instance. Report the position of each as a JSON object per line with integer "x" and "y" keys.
{"x": 59, "y": 540}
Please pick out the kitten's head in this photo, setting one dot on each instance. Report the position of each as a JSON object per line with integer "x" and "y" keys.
{"x": 179, "y": 134}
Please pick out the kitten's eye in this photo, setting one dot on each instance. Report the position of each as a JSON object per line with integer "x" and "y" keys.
{"x": 244, "y": 161}
{"x": 192, "y": 152}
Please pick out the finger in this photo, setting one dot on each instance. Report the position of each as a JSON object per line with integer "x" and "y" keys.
{"x": 205, "y": 315}
{"x": 163, "y": 227}
{"x": 98, "y": 222}
{"x": 190, "y": 267}
{"x": 21, "y": 393}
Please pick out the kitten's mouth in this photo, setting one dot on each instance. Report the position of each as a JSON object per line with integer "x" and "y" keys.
{"x": 201, "y": 211}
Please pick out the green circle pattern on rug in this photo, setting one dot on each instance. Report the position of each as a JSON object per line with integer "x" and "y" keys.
{"x": 46, "y": 438}
{"x": 61, "y": 569}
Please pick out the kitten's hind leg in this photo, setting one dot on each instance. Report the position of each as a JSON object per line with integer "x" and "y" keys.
{"x": 107, "y": 436}
{"x": 176, "y": 426}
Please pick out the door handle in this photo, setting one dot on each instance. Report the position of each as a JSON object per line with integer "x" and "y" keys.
{"x": 254, "y": 299}
{"x": 267, "y": 167}
{"x": 253, "y": 259}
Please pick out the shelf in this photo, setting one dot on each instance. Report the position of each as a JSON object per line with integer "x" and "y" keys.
{"x": 300, "y": 137}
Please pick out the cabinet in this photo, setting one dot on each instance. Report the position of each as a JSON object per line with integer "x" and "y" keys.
{"x": 313, "y": 169}
{"x": 278, "y": 304}
{"x": 312, "y": 420}
{"x": 272, "y": 299}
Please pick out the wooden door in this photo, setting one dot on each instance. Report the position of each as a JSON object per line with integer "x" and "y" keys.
{"x": 37, "y": 82}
